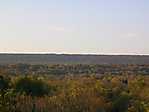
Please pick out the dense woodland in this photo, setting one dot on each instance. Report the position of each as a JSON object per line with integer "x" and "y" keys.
{"x": 73, "y": 69}
{"x": 74, "y": 88}
{"x": 72, "y": 59}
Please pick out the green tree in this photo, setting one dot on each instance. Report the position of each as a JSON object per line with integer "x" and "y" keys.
{"x": 31, "y": 86}
{"x": 121, "y": 103}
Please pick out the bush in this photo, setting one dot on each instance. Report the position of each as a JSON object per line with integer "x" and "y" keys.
{"x": 121, "y": 103}
{"x": 31, "y": 86}
{"x": 4, "y": 83}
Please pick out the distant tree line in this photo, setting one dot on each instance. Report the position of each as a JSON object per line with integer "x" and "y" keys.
{"x": 78, "y": 69}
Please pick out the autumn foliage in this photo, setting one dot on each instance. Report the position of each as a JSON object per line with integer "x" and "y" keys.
{"x": 81, "y": 93}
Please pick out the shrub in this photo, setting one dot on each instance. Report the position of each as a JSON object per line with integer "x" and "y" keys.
{"x": 121, "y": 103}
{"x": 31, "y": 86}
{"x": 4, "y": 83}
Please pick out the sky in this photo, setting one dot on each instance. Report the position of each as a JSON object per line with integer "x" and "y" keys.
{"x": 74, "y": 26}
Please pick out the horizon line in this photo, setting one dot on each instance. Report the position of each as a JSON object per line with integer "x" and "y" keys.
{"x": 65, "y": 53}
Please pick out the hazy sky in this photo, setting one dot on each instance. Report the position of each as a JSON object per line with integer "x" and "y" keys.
{"x": 74, "y": 26}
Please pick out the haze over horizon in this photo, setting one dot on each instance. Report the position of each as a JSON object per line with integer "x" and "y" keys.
{"x": 74, "y": 26}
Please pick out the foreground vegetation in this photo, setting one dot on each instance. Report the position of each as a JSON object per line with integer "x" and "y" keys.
{"x": 74, "y": 93}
